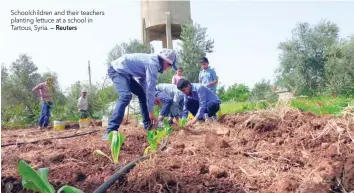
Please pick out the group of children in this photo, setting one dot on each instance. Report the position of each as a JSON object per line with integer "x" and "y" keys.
{"x": 137, "y": 74}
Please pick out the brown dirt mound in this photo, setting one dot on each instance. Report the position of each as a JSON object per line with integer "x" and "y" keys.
{"x": 268, "y": 151}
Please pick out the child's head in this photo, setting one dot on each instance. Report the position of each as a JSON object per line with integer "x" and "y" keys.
{"x": 184, "y": 86}
{"x": 204, "y": 62}
{"x": 180, "y": 71}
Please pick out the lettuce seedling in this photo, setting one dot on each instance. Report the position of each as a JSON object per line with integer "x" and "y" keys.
{"x": 155, "y": 137}
{"x": 116, "y": 141}
{"x": 38, "y": 181}
{"x": 182, "y": 122}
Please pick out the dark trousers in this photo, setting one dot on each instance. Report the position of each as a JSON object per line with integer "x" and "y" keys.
{"x": 166, "y": 101}
{"x": 84, "y": 114}
{"x": 125, "y": 86}
{"x": 193, "y": 106}
{"x": 45, "y": 114}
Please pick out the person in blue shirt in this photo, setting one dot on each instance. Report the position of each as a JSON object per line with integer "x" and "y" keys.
{"x": 170, "y": 93}
{"x": 207, "y": 76}
{"x": 198, "y": 100}
{"x": 166, "y": 101}
{"x": 137, "y": 74}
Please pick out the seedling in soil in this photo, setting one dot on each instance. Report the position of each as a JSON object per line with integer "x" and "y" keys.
{"x": 38, "y": 181}
{"x": 155, "y": 137}
{"x": 116, "y": 140}
{"x": 182, "y": 122}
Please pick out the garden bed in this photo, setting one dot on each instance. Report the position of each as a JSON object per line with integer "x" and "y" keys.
{"x": 265, "y": 151}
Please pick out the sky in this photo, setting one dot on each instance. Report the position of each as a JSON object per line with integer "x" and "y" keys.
{"x": 246, "y": 35}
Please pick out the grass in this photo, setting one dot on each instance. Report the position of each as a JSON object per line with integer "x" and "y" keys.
{"x": 321, "y": 105}
{"x": 239, "y": 107}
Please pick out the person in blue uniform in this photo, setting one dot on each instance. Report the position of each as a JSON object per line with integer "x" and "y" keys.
{"x": 198, "y": 100}
{"x": 137, "y": 74}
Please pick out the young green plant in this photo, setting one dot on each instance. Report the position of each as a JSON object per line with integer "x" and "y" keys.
{"x": 182, "y": 122}
{"x": 38, "y": 181}
{"x": 155, "y": 137}
{"x": 116, "y": 141}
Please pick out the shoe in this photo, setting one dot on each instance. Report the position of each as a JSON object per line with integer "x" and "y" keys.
{"x": 170, "y": 122}
{"x": 39, "y": 127}
{"x": 149, "y": 127}
{"x": 214, "y": 119}
{"x": 141, "y": 123}
{"x": 160, "y": 124}
{"x": 105, "y": 136}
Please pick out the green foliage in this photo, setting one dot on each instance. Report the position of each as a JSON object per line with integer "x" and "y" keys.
{"x": 263, "y": 91}
{"x": 315, "y": 61}
{"x": 236, "y": 92}
{"x": 154, "y": 137}
{"x": 182, "y": 122}
{"x": 38, "y": 181}
{"x": 35, "y": 181}
{"x": 195, "y": 44}
{"x": 116, "y": 141}
{"x": 339, "y": 68}
{"x": 239, "y": 107}
{"x": 69, "y": 189}
{"x": 322, "y": 105}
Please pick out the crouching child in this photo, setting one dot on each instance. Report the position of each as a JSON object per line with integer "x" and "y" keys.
{"x": 172, "y": 100}
{"x": 198, "y": 100}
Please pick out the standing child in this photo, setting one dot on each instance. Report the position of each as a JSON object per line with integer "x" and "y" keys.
{"x": 46, "y": 91}
{"x": 178, "y": 76}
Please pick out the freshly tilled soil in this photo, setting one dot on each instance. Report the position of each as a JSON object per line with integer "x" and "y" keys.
{"x": 267, "y": 151}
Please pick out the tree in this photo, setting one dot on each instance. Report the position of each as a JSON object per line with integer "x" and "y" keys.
{"x": 263, "y": 91}
{"x": 24, "y": 77}
{"x": 302, "y": 59}
{"x": 195, "y": 44}
{"x": 339, "y": 68}
{"x": 236, "y": 92}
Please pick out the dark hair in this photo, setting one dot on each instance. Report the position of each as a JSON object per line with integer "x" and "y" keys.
{"x": 182, "y": 83}
{"x": 180, "y": 68}
{"x": 204, "y": 59}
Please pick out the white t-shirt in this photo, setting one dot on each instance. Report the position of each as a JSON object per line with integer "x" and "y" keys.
{"x": 82, "y": 103}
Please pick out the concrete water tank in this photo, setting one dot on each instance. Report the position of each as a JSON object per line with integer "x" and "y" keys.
{"x": 162, "y": 20}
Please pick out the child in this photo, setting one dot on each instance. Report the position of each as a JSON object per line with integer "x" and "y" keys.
{"x": 199, "y": 100}
{"x": 137, "y": 74}
{"x": 174, "y": 96}
{"x": 178, "y": 76}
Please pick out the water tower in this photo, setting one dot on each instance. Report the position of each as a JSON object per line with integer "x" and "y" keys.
{"x": 162, "y": 20}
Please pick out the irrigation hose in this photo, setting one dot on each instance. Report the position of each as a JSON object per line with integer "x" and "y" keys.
{"x": 124, "y": 170}
{"x": 64, "y": 137}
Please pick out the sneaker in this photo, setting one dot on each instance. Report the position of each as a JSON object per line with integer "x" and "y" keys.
{"x": 105, "y": 136}
{"x": 39, "y": 127}
{"x": 214, "y": 119}
{"x": 160, "y": 124}
{"x": 149, "y": 127}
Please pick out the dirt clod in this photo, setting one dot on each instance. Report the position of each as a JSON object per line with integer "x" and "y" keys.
{"x": 217, "y": 171}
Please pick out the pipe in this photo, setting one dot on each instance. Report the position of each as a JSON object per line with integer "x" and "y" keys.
{"x": 64, "y": 137}
{"x": 121, "y": 172}
{"x": 125, "y": 169}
